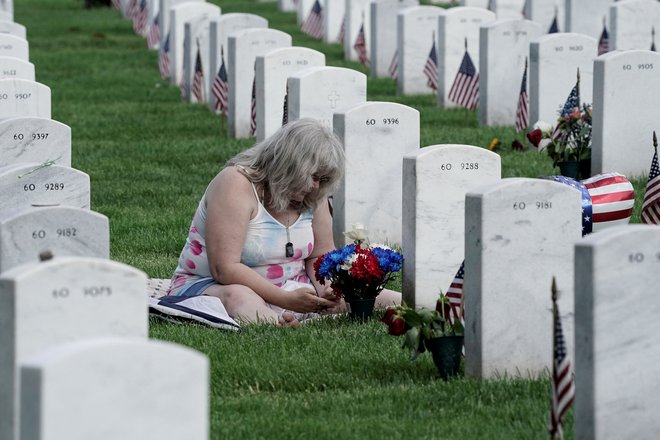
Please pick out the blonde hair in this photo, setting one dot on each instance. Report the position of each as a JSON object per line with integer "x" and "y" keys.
{"x": 285, "y": 162}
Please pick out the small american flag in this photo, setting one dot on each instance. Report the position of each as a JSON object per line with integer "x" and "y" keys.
{"x": 153, "y": 37}
{"x": 465, "y": 89}
{"x": 572, "y": 101}
{"x": 604, "y": 41}
{"x": 360, "y": 47}
{"x": 198, "y": 78}
{"x": 394, "y": 66}
{"x": 285, "y": 107}
{"x": 220, "y": 88}
{"x": 522, "y": 109}
{"x": 340, "y": 37}
{"x": 116, "y": 4}
{"x": 651, "y": 204}
{"x": 253, "y": 107}
{"x": 140, "y": 18}
{"x": 563, "y": 387}
{"x": 313, "y": 24}
{"x": 431, "y": 67}
{"x": 653, "y": 39}
{"x": 554, "y": 27}
{"x": 455, "y": 294}
{"x": 164, "y": 59}
{"x": 132, "y": 9}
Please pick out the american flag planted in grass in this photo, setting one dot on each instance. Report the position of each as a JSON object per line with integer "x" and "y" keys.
{"x": 220, "y": 88}
{"x": 198, "y": 79}
{"x": 607, "y": 200}
{"x": 313, "y": 25}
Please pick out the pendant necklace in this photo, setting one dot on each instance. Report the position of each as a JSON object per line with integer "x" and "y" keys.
{"x": 288, "y": 249}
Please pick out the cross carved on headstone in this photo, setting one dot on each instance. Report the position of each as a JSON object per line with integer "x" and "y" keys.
{"x": 333, "y": 97}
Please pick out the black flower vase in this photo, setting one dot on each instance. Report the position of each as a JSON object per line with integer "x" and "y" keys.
{"x": 570, "y": 168}
{"x": 446, "y": 352}
{"x": 360, "y": 309}
{"x": 585, "y": 168}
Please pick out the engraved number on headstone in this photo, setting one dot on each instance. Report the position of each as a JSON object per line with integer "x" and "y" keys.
{"x": 371, "y": 122}
{"x": 389, "y": 121}
{"x": 61, "y": 293}
{"x": 627, "y": 67}
{"x": 39, "y": 136}
{"x": 29, "y": 187}
{"x": 66, "y": 232}
{"x": 644, "y": 66}
{"x": 543, "y": 204}
{"x": 54, "y": 186}
{"x": 469, "y": 165}
{"x": 519, "y": 206}
{"x": 18, "y": 137}
{"x": 9, "y": 72}
{"x": 445, "y": 167}
{"x": 22, "y": 95}
{"x": 39, "y": 234}
{"x": 636, "y": 257}
{"x": 97, "y": 291}
{"x": 4, "y": 96}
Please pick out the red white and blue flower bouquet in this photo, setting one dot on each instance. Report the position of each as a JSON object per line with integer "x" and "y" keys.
{"x": 358, "y": 271}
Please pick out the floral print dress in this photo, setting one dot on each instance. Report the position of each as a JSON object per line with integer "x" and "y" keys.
{"x": 264, "y": 251}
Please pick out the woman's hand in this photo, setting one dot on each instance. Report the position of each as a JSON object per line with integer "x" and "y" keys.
{"x": 304, "y": 300}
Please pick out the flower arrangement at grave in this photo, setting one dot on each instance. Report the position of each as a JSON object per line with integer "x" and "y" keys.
{"x": 358, "y": 270}
{"x": 419, "y": 325}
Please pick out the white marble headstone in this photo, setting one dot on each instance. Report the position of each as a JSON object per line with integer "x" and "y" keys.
{"x": 179, "y": 15}
{"x": 11, "y": 67}
{"x": 219, "y": 31}
{"x": 632, "y": 24}
{"x": 617, "y": 381}
{"x": 196, "y": 37}
{"x": 544, "y": 12}
{"x": 32, "y": 139}
{"x": 626, "y": 87}
{"x": 319, "y": 92}
{"x": 333, "y": 18}
{"x": 244, "y": 48}
{"x": 508, "y": 9}
{"x": 63, "y": 230}
{"x": 21, "y": 97}
{"x": 62, "y": 300}
{"x": 474, "y": 3}
{"x": 113, "y": 387}
{"x": 417, "y": 31}
{"x": 519, "y": 234}
{"x": 586, "y": 16}
{"x": 554, "y": 60}
{"x": 273, "y": 69}
{"x": 356, "y": 15}
{"x": 7, "y": 7}
{"x": 26, "y": 184}
{"x": 504, "y": 46}
{"x": 376, "y": 136}
{"x": 13, "y": 28}
{"x": 435, "y": 180}
{"x": 455, "y": 27}
{"x": 13, "y": 46}
{"x": 164, "y": 16}
{"x": 5, "y": 16}
{"x": 286, "y": 5}
{"x": 382, "y": 44}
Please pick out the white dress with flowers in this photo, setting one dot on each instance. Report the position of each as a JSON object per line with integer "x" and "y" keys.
{"x": 264, "y": 251}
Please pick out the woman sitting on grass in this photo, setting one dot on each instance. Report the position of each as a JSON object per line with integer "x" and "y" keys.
{"x": 261, "y": 223}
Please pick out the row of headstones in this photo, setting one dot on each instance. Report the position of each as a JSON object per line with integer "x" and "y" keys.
{"x": 55, "y": 317}
{"x": 253, "y": 58}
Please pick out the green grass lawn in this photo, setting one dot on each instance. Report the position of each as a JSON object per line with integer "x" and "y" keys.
{"x": 150, "y": 157}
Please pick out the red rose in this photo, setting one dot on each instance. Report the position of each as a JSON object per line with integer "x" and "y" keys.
{"x": 389, "y": 315}
{"x": 535, "y": 137}
{"x": 398, "y": 326}
{"x": 517, "y": 145}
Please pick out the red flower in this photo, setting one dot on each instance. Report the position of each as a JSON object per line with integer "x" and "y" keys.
{"x": 535, "y": 137}
{"x": 389, "y": 314}
{"x": 396, "y": 325}
{"x": 517, "y": 145}
{"x": 317, "y": 265}
{"x": 366, "y": 267}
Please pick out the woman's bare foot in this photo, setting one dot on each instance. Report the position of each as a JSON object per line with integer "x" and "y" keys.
{"x": 287, "y": 319}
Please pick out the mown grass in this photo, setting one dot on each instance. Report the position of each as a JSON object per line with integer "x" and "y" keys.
{"x": 150, "y": 157}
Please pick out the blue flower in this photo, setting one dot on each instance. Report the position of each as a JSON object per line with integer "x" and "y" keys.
{"x": 389, "y": 260}
{"x": 333, "y": 260}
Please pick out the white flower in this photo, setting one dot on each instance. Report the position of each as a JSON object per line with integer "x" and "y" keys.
{"x": 358, "y": 233}
{"x": 346, "y": 265}
{"x": 545, "y": 128}
{"x": 379, "y": 245}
